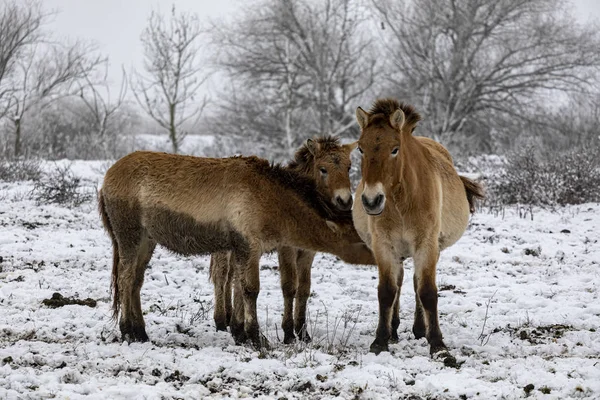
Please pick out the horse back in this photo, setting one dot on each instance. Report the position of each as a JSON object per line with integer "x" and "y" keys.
{"x": 190, "y": 205}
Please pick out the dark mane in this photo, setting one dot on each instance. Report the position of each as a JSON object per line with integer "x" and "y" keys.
{"x": 303, "y": 159}
{"x": 389, "y": 105}
{"x": 301, "y": 184}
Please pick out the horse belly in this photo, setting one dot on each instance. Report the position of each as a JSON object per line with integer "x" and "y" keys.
{"x": 183, "y": 234}
{"x": 455, "y": 218}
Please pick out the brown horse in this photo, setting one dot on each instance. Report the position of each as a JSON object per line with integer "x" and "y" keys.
{"x": 414, "y": 204}
{"x": 328, "y": 163}
{"x": 193, "y": 205}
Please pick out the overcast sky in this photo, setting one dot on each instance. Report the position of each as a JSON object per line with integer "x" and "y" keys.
{"x": 116, "y": 25}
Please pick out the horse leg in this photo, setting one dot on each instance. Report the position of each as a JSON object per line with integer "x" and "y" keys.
{"x": 134, "y": 258}
{"x": 219, "y": 274}
{"x": 387, "y": 292}
{"x": 396, "y": 312}
{"x": 248, "y": 261}
{"x": 419, "y": 328}
{"x": 426, "y": 258}
{"x": 237, "y": 316}
{"x": 227, "y": 291}
{"x": 304, "y": 264}
{"x": 289, "y": 283}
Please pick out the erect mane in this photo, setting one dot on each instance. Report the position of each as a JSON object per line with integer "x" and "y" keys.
{"x": 303, "y": 159}
{"x": 303, "y": 185}
{"x": 388, "y": 106}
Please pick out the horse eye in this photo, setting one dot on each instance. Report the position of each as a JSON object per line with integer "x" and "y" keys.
{"x": 360, "y": 150}
{"x": 395, "y": 151}
{"x": 323, "y": 170}
{"x": 349, "y": 168}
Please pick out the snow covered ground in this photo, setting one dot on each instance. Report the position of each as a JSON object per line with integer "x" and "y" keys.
{"x": 519, "y": 306}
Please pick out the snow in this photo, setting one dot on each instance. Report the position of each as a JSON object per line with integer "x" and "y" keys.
{"x": 537, "y": 281}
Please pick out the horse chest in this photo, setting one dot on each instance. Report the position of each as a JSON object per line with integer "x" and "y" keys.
{"x": 398, "y": 241}
{"x": 401, "y": 249}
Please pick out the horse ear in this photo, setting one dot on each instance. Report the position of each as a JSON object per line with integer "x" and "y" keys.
{"x": 397, "y": 119}
{"x": 312, "y": 146}
{"x": 362, "y": 117}
{"x": 334, "y": 227}
{"x": 350, "y": 146}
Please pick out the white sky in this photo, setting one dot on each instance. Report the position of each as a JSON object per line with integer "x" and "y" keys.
{"x": 116, "y": 25}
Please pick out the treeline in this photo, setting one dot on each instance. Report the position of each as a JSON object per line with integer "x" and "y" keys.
{"x": 487, "y": 75}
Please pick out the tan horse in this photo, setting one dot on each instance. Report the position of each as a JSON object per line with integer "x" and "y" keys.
{"x": 194, "y": 205}
{"x": 328, "y": 163}
{"x": 414, "y": 204}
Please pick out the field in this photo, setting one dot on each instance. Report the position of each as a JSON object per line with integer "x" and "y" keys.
{"x": 519, "y": 309}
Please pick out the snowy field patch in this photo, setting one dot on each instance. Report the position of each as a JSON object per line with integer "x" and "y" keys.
{"x": 519, "y": 309}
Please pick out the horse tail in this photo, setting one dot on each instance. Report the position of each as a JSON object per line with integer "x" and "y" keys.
{"x": 474, "y": 191}
{"x": 115, "y": 268}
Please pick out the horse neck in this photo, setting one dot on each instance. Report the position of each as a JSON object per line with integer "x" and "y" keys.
{"x": 309, "y": 230}
{"x": 321, "y": 237}
{"x": 407, "y": 187}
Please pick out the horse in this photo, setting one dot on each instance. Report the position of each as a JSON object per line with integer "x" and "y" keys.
{"x": 326, "y": 161}
{"x": 413, "y": 204}
{"x": 194, "y": 206}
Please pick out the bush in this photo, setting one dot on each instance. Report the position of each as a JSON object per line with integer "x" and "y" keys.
{"x": 20, "y": 170}
{"x": 557, "y": 179}
{"x": 61, "y": 186}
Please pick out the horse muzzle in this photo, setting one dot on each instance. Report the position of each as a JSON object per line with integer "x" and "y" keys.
{"x": 373, "y": 206}
{"x": 343, "y": 205}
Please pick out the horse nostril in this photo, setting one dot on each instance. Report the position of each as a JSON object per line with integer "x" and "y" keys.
{"x": 378, "y": 200}
{"x": 365, "y": 201}
{"x": 344, "y": 205}
{"x": 374, "y": 204}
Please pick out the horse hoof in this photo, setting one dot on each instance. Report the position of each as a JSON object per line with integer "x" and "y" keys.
{"x": 221, "y": 326}
{"x": 438, "y": 350}
{"x": 130, "y": 338}
{"x": 134, "y": 334}
{"x": 289, "y": 339}
{"x": 394, "y": 338}
{"x": 378, "y": 348}
{"x": 238, "y": 334}
{"x": 261, "y": 343}
{"x": 303, "y": 335}
{"x": 239, "y": 340}
{"x": 306, "y": 338}
{"x": 418, "y": 332}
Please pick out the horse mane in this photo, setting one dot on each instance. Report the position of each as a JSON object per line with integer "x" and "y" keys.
{"x": 303, "y": 159}
{"x": 388, "y": 106}
{"x": 301, "y": 184}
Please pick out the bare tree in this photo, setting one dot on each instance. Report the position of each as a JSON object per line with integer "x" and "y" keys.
{"x": 465, "y": 61}
{"x": 309, "y": 60}
{"x": 20, "y": 27}
{"x": 168, "y": 88}
{"x": 47, "y": 73}
{"x": 99, "y": 102}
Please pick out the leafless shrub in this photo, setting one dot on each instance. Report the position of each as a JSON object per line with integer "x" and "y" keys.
{"x": 61, "y": 186}
{"x": 557, "y": 179}
{"x": 483, "y": 337}
{"x": 330, "y": 336}
{"x": 20, "y": 170}
{"x": 203, "y": 312}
